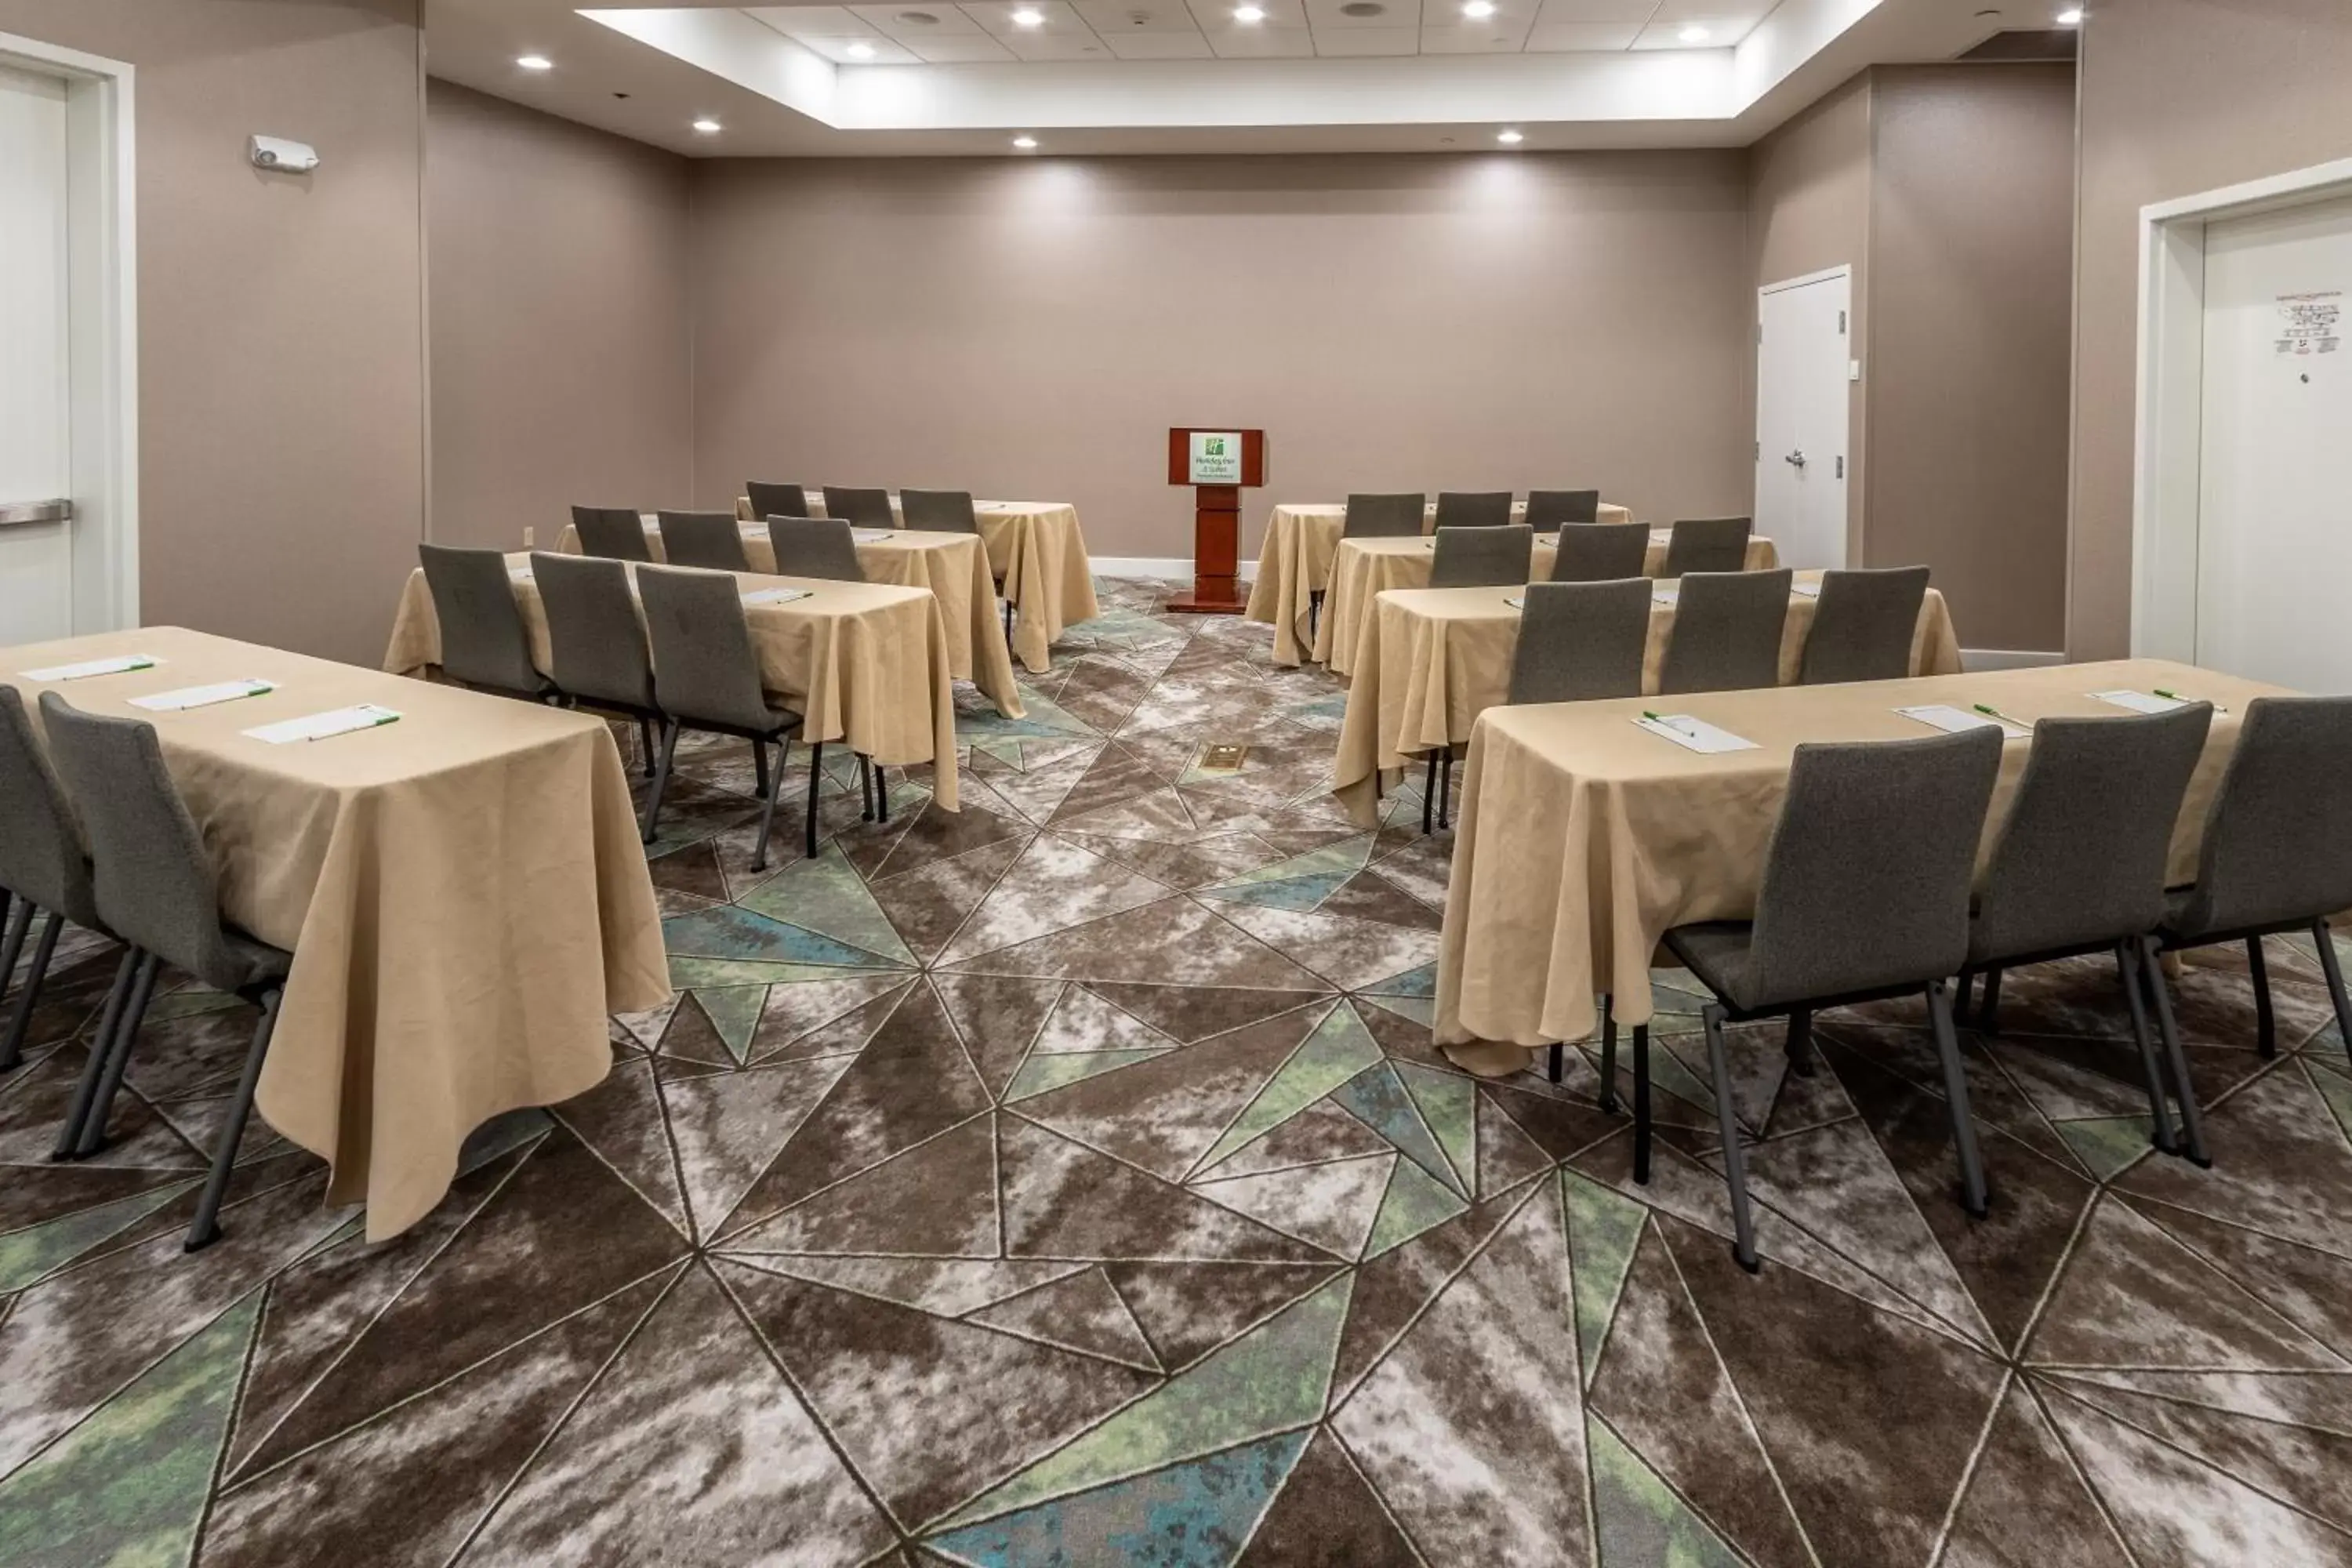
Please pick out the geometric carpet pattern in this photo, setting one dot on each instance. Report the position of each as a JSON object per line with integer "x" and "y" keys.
{"x": 1072, "y": 1180}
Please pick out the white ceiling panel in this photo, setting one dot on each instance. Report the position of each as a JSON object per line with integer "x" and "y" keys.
{"x": 902, "y": 21}
{"x": 1185, "y": 46}
{"x": 1567, "y": 37}
{"x": 1721, "y": 33}
{"x": 1343, "y": 43}
{"x": 1057, "y": 47}
{"x": 815, "y": 21}
{"x": 1560, "y": 13}
{"x": 1264, "y": 44}
{"x": 1109, "y": 16}
{"x": 996, "y": 16}
{"x": 1330, "y": 14}
{"x": 960, "y": 50}
{"x": 872, "y": 51}
{"x": 1473, "y": 40}
{"x": 1217, "y": 16}
{"x": 1737, "y": 16}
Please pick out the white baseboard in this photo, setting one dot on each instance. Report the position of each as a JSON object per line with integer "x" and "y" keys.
{"x": 1975, "y": 659}
{"x": 1176, "y": 568}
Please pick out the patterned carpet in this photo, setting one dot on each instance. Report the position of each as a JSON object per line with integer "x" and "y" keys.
{"x": 1072, "y": 1180}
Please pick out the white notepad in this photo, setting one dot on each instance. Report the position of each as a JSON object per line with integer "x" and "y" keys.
{"x": 1954, "y": 720}
{"x": 1806, "y": 590}
{"x": 188, "y": 696}
{"x": 117, "y": 666}
{"x": 1517, "y": 603}
{"x": 869, "y": 535}
{"x": 1694, "y": 734}
{"x": 776, "y": 595}
{"x": 2140, "y": 702}
{"x": 321, "y": 726}
{"x": 1666, "y": 595}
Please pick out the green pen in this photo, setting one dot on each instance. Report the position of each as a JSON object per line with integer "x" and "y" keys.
{"x": 1992, "y": 712}
{"x": 2177, "y": 697}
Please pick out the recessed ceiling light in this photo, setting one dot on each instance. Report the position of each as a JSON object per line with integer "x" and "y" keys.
{"x": 1510, "y": 138}
{"x": 1025, "y": 142}
{"x": 918, "y": 18}
{"x": 1362, "y": 9}
{"x": 1249, "y": 14}
{"x": 708, "y": 127}
{"x": 1694, "y": 34}
{"x": 2071, "y": 17}
{"x": 1028, "y": 17}
{"x": 1478, "y": 10}
{"x": 536, "y": 63}
{"x": 860, "y": 50}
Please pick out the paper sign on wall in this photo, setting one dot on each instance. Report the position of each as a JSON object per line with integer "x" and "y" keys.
{"x": 1216, "y": 458}
{"x": 2313, "y": 324}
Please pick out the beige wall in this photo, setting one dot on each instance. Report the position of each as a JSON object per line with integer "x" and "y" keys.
{"x": 1031, "y": 327}
{"x": 281, "y": 319}
{"x": 1972, "y": 225}
{"x": 559, "y": 320}
{"x": 2178, "y": 97}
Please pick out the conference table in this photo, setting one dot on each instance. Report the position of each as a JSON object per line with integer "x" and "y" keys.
{"x": 952, "y": 566}
{"x": 462, "y": 889}
{"x": 1294, "y": 563}
{"x": 1428, "y": 661}
{"x": 1582, "y": 837}
{"x": 1036, "y": 551}
{"x": 1363, "y": 568}
{"x": 865, "y": 663}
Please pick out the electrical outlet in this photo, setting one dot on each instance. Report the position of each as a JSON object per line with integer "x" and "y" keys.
{"x": 527, "y": 534}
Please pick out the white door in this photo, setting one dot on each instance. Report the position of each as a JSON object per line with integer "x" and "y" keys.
{"x": 1801, "y": 350}
{"x": 36, "y": 563}
{"x": 2274, "y": 515}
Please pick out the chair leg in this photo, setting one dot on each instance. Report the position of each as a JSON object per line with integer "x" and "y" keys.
{"x": 12, "y": 1048}
{"x": 101, "y": 1046}
{"x": 1445, "y": 786}
{"x": 1008, "y": 622}
{"x": 1642, "y": 1104}
{"x": 1800, "y": 1042}
{"x": 1988, "y": 1014}
{"x": 2193, "y": 1120}
{"x": 2335, "y": 973}
{"x": 771, "y": 787}
{"x": 661, "y": 778}
{"x": 2265, "y": 1021}
{"x": 2159, "y": 1104}
{"x": 1608, "y": 1053}
{"x": 1429, "y": 797}
{"x": 1974, "y": 1195}
{"x": 11, "y": 946}
{"x": 1734, "y": 1162}
{"x": 118, "y": 1058}
{"x": 1558, "y": 1051}
{"x": 865, "y": 789}
{"x": 1314, "y": 615}
{"x": 1962, "y": 990}
{"x": 760, "y": 768}
{"x": 645, "y": 746}
{"x": 205, "y": 1229}
{"x": 816, "y": 775}
{"x": 882, "y": 794}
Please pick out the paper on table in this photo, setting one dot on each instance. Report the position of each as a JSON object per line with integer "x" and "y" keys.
{"x": 120, "y": 665}
{"x": 1672, "y": 594}
{"x": 776, "y": 596}
{"x": 1953, "y": 720}
{"x": 1694, "y": 734}
{"x": 1806, "y": 590}
{"x": 868, "y": 535}
{"x": 319, "y": 726}
{"x": 202, "y": 696}
{"x": 1515, "y": 604}
{"x": 2139, "y": 701}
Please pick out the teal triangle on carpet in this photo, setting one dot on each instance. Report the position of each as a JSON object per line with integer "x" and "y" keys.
{"x": 2107, "y": 1144}
{"x": 827, "y": 895}
{"x": 1414, "y": 1202}
{"x": 1422, "y": 1010}
{"x": 26, "y": 1255}
{"x": 724, "y": 931}
{"x": 734, "y": 1011}
{"x": 1339, "y": 1049}
{"x": 1602, "y": 1228}
{"x": 1298, "y": 894}
{"x": 1039, "y": 1074}
{"x": 1378, "y": 1099}
{"x": 685, "y": 972}
{"x": 1341, "y": 860}
{"x": 1642, "y": 1522}
{"x": 1449, "y": 1103}
{"x": 1421, "y": 981}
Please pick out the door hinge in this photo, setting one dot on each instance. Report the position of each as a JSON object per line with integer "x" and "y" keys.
{"x": 1760, "y": 331}
{"x": 1841, "y": 467}
{"x": 1759, "y": 451}
{"x": 1840, "y": 324}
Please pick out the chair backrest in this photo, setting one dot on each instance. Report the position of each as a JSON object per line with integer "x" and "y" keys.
{"x": 1547, "y": 510}
{"x": 860, "y": 508}
{"x": 1867, "y": 879}
{"x": 1707, "y": 544}
{"x": 2082, "y": 857}
{"x": 1864, "y": 625}
{"x": 776, "y": 500}
{"x": 1386, "y": 515}
{"x": 1602, "y": 551}
{"x": 483, "y": 640}
{"x": 939, "y": 512}
{"x": 1473, "y": 509}
{"x": 150, "y": 876}
{"x": 41, "y": 857}
{"x": 596, "y": 642}
{"x": 814, "y": 547}
{"x": 1483, "y": 557}
{"x": 1582, "y": 640}
{"x": 711, "y": 540}
{"x": 1727, "y": 633}
{"x": 705, "y": 668}
{"x": 2278, "y": 841}
{"x": 617, "y": 532}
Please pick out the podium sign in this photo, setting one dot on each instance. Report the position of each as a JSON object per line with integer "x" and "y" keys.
{"x": 1217, "y": 464}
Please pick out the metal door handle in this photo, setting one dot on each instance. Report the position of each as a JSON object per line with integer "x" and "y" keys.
{"x": 15, "y": 514}
{"x": 1796, "y": 457}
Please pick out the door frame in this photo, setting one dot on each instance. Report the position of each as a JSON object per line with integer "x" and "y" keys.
{"x": 1845, "y": 481}
{"x": 103, "y": 342}
{"x": 2168, "y": 458}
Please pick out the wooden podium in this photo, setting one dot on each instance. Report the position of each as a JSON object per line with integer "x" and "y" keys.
{"x": 1218, "y": 465}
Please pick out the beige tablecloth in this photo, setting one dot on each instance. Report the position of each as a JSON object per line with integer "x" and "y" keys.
{"x": 1429, "y": 660}
{"x": 1294, "y": 560}
{"x": 463, "y": 892}
{"x": 1037, "y": 552}
{"x": 952, "y": 566}
{"x": 1361, "y": 568}
{"x": 861, "y": 662}
{"x": 1581, "y": 838}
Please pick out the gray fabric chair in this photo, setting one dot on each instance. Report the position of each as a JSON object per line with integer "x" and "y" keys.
{"x": 1473, "y": 509}
{"x": 484, "y": 644}
{"x": 2079, "y": 867}
{"x": 596, "y": 645}
{"x": 43, "y": 870}
{"x": 712, "y": 541}
{"x": 707, "y": 677}
{"x": 2276, "y": 855}
{"x": 776, "y": 500}
{"x": 1602, "y": 551}
{"x": 1549, "y": 510}
{"x": 1483, "y": 556}
{"x": 1865, "y": 896}
{"x": 937, "y": 511}
{"x": 1580, "y": 641}
{"x": 152, "y": 885}
{"x": 860, "y": 508}
{"x": 1726, "y": 631}
{"x": 1863, "y": 626}
{"x": 617, "y": 532}
{"x": 1707, "y": 544}
{"x": 814, "y": 547}
{"x": 1389, "y": 515}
